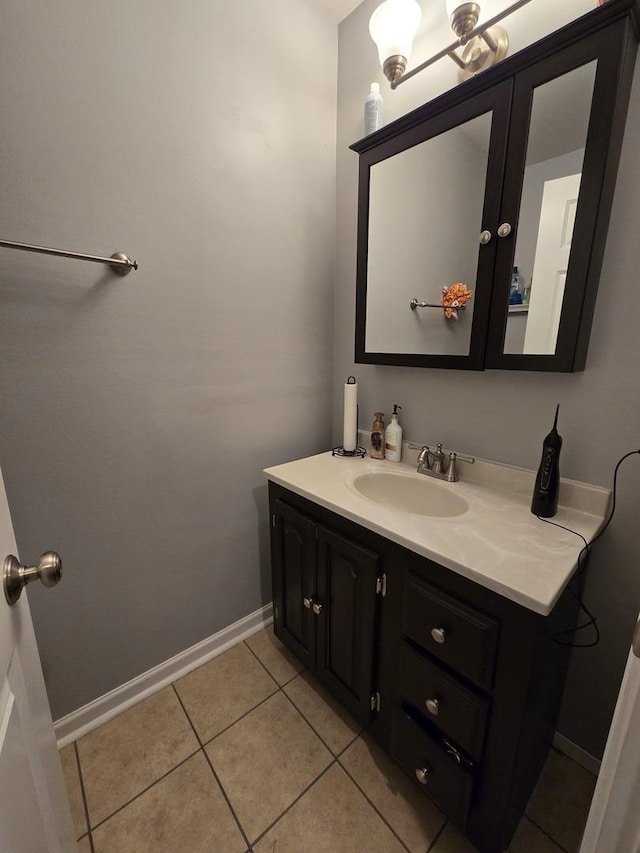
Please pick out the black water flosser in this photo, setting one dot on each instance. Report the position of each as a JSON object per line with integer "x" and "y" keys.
{"x": 545, "y": 493}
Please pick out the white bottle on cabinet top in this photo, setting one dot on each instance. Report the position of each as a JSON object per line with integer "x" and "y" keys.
{"x": 373, "y": 110}
{"x": 393, "y": 437}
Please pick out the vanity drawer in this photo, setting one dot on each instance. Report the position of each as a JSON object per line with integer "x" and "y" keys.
{"x": 447, "y": 783}
{"x": 454, "y": 709}
{"x": 462, "y": 637}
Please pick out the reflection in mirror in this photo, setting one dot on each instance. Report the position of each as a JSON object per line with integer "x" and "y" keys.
{"x": 425, "y": 219}
{"x": 555, "y": 151}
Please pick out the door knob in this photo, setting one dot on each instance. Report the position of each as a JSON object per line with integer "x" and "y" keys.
{"x": 307, "y": 602}
{"x": 16, "y": 576}
{"x": 504, "y": 230}
{"x": 485, "y": 237}
{"x": 317, "y": 609}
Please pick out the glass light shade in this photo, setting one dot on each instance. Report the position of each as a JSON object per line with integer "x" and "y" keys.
{"x": 452, "y": 5}
{"x": 393, "y": 26}
{"x": 463, "y": 16}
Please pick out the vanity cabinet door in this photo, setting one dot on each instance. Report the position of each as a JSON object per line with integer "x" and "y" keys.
{"x": 346, "y": 657}
{"x": 293, "y": 566}
{"x": 325, "y": 604}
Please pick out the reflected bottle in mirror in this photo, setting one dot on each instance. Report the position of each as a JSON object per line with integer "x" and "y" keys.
{"x": 517, "y": 287}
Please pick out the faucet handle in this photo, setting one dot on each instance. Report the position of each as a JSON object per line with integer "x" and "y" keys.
{"x": 469, "y": 459}
{"x": 452, "y": 474}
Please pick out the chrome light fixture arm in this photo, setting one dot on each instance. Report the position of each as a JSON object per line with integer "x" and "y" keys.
{"x": 476, "y": 57}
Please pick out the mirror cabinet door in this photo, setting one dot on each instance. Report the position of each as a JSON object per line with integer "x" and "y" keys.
{"x": 549, "y": 200}
{"x": 425, "y": 206}
{"x": 558, "y": 167}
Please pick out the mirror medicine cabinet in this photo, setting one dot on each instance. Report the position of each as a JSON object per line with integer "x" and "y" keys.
{"x": 513, "y": 169}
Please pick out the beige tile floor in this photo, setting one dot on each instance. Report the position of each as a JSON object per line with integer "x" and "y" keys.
{"x": 249, "y": 753}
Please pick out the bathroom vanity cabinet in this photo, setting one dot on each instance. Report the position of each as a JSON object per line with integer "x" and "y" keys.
{"x": 461, "y": 685}
{"x": 513, "y": 168}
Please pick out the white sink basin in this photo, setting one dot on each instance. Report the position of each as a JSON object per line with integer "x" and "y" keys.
{"x": 422, "y": 496}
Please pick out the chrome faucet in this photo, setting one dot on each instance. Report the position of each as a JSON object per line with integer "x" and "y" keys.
{"x": 432, "y": 463}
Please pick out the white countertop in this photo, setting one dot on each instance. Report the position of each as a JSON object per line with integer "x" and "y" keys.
{"x": 497, "y": 543}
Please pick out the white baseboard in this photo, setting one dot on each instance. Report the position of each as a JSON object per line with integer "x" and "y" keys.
{"x": 576, "y": 753}
{"x": 104, "y": 708}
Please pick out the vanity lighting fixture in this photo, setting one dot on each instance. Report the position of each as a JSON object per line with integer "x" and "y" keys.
{"x": 394, "y": 24}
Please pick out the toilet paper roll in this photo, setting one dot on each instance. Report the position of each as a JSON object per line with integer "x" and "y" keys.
{"x": 350, "y": 426}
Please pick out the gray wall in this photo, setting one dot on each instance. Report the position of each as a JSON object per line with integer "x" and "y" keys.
{"x": 502, "y": 415}
{"x": 138, "y": 413}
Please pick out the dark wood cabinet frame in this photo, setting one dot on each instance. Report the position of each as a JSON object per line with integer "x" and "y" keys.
{"x": 609, "y": 34}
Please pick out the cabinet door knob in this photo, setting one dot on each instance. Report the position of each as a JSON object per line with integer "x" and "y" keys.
{"x": 433, "y": 707}
{"x": 485, "y": 237}
{"x": 504, "y": 230}
{"x": 317, "y": 609}
{"x": 439, "y": 635}
{"x": 308, "y": 602}
{"x": 422, "y": 774}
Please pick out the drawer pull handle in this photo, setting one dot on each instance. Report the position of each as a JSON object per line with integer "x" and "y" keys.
{"x": 452, "y": 751}
{"x": 439, "y": 635}
{"x": 433, "y": 707}
{"x": 308, "y": 602}
{"x": 422, "y": 774}
{"x": 317, "y": 609}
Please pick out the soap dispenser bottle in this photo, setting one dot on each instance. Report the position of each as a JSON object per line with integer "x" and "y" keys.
{"x": 393, "y": 437}
{"x": 377, "y": 436}
{"x": 545, "y": 493}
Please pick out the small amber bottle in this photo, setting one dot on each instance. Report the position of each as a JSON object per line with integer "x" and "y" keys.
{"x": 377, "y": 436}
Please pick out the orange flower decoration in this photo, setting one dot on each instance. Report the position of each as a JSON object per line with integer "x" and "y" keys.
{"x": 455, "y": 298}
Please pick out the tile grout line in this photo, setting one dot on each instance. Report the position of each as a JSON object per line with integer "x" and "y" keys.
{"x": 350, "y": 744}
{"x": 215, "y": 775}
{"x": 241, "y": 717}
{"x": 144, "y": 790}
{"x": 264, "y": 666}
{"x": 299, "y": 797}
{"x": 439, "y": 835}
{"x": 374, "y": 807}
{"x": 333, "y": 755}
{"x": 544, "y": 832}
{"x": 245, "y": 837}
{"x": 84, "y": 796}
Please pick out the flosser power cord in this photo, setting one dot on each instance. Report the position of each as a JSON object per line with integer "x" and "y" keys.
{"x": 583, "y": 562}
